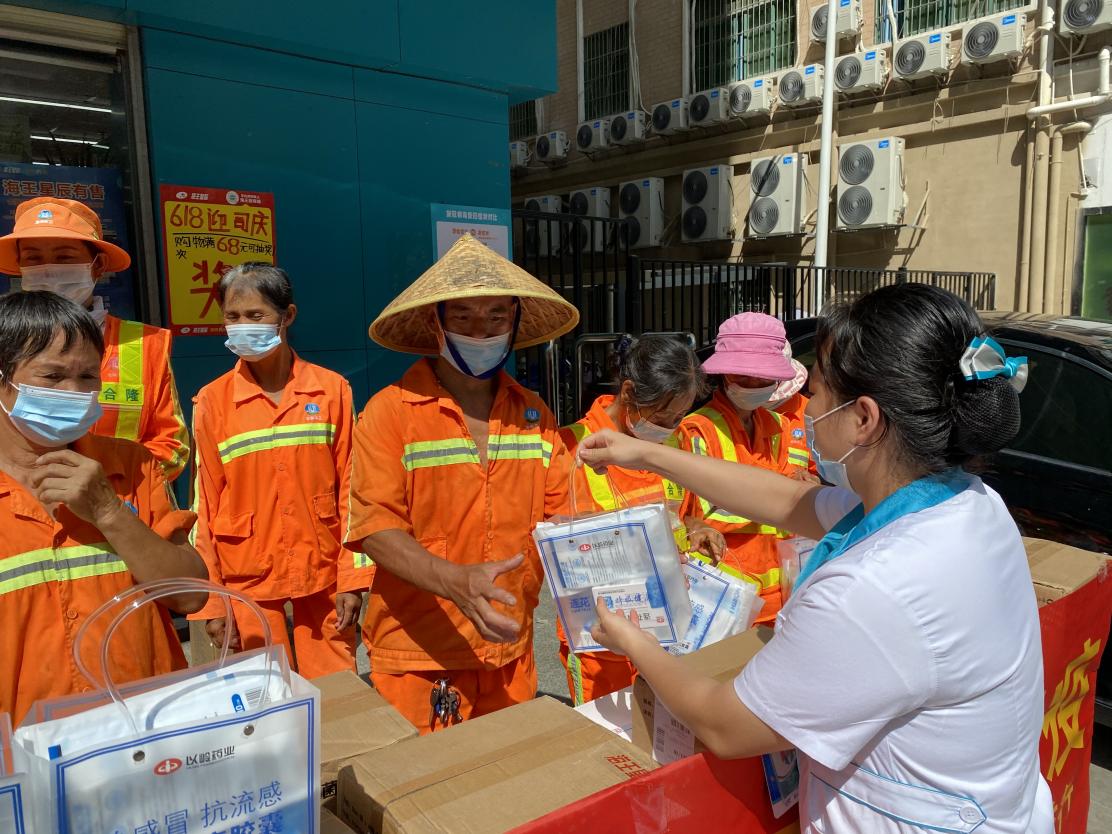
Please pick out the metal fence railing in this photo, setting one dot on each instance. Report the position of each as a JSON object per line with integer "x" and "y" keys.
{"x": 587, "y": 260}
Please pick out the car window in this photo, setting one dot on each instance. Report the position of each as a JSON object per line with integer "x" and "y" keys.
{"x": 803, "y": 351}
{"x": 1066, "y": 410}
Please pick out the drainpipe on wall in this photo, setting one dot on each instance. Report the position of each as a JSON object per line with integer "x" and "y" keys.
{"x": 826, "y": 150}
{"x": 1025, "y": 245}
{"x": 1052, "y": 289}
{"x": 1040, "y": 289}
{"x": 1037, "y": 243}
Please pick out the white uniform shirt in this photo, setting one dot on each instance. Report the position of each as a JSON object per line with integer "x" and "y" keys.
{"x": 908, "y": 673}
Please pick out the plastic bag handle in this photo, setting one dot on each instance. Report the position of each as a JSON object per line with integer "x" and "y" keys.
{"x": 144, "y": 594}
{"x": 620, "y": 501}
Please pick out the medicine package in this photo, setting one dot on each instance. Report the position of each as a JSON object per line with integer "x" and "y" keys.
{"x": 628, "y": 558}
{"x": 722, "y": 605}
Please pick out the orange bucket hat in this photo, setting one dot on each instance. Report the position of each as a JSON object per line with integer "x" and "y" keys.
{"x": 57, "y": 218}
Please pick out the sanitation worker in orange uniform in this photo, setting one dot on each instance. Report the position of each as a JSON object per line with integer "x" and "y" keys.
{"x": 453, "y": 467}
{"x": 82, "y": 517}
{"x": 58, "y": 245}
{"x": 273, "y": 440}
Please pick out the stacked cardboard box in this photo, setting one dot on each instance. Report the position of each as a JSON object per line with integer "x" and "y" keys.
{"x": 486, "y": 775}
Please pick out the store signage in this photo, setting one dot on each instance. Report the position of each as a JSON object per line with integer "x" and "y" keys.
{"x": 206, "y": 232}
{"x": 489, "y": 225}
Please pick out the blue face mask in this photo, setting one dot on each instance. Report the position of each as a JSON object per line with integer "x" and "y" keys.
{"x": 252, "y": 341}
{"x": 832, "y": 471}
{"x": 52, "y": 418}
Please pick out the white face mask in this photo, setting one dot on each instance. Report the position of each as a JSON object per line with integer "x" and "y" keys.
{"x": 72, "y": 281}
{"x": 252, "y": 342}
{"x": 749, "y": 399}
{"x": 644, "y": 430}
{"x": 480, "y": 358}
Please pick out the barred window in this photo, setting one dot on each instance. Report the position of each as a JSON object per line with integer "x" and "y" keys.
{"x": 523, "y": 120}
{"x": 916, "y": 16}
{"x": 606, "y": 72}
{"x": 736, "y": 39}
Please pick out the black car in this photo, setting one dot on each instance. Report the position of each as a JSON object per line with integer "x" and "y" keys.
{"x": 1056, "y": 477}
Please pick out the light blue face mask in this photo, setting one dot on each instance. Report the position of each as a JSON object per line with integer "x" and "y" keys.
{"x": 50, "y": 417}
{"x": 252, "y": 341}
{"x": 832, "y": 471}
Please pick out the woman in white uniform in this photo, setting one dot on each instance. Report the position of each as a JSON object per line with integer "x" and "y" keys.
{"x": 906, "y": 667}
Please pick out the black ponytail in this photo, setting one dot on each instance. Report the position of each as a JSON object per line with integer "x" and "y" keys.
{"x": 901, "y": 345}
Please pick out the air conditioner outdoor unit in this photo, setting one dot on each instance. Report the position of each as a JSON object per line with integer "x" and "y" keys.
{"x": 708, "y": 203}
{"x": 641, "y": 203}
{"x": 779, "y": 206}
{"x": 1082, "y": 17}
{"x": 593, "y": 135}
{"x": 709, "y": 107}
{"x": 922, "y": 56}
{"x": 589, "y": 236}
{"x": 542, "y": 237}
{"x": 801, "y": 86}
{"x": 847, "y": 23}
{"x": 519, "y": 154}
{"x": 871, "y": 184}
{"x": 996, "y": 39}
{"x": 753, "y": 97}
{"x": 628, "y": 128}
{"x": 552, "y": 146}
{"x": 862, "y": 71}
{"x": 670, "y": 117}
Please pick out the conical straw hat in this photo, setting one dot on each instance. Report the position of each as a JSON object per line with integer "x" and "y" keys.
{"x": 470, "y": 270}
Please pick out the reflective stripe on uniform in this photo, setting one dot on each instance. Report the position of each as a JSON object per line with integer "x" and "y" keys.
{"x": 130, "y": 355}
{"x": 798, "y": 457}
{"x": 575, "y": 671}
{"x": 301, "y": 434}
{"x": 37, "y": 567}
{"x": 765, "y": 581}
{"x": 424, "y": 453}
{"x": 729, "y": 452}
{"x": 519, "y": 447}
{"x": 599, "y": 485}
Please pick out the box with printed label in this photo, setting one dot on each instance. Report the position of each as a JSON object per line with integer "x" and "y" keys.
{"x": 355, "y": 719}
{"x": 488, "y": 774}
{"x": 655, "y": 730}
{"x": 627, "y": 559}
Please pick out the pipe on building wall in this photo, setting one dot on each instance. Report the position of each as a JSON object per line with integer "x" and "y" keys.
{"x": 1052, "y": 285}
{"x": 1037, "y": 274}
{"x": 1102, "y": 95}
{"x": 685, "y": 33}
{"x": 1038, "y": 194}
{"x": 826, "y": 146}
{"x": 1025, "y": 239}
{"x": 581, "y": 104}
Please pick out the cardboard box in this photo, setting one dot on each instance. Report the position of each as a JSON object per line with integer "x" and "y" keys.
{"x": 355, "y": 720}
{"x": 721, "y": 661}
{"x": 1057, "y": 570}
{"x": 488, "y": 774}
{"x": 331, "y": 824}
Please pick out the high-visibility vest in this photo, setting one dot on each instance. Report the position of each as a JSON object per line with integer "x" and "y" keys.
{"x": 729, "y": 452}
{"x": 138, "y": 394}
{"x": 603, "y": 495}
{"x": 121, "y": 387}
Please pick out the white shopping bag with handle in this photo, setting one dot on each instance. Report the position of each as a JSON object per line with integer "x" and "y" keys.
{"x": 12, "y": 788}
{"x": 233, "y": 746}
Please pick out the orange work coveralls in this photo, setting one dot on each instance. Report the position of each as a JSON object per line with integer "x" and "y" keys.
{"x": 417, "y": 469}
{"x": 55, "y": 572}
{"x": 271, "y": 499}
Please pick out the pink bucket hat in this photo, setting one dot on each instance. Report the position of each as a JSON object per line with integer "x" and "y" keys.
{"x": 751, "y": 344}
